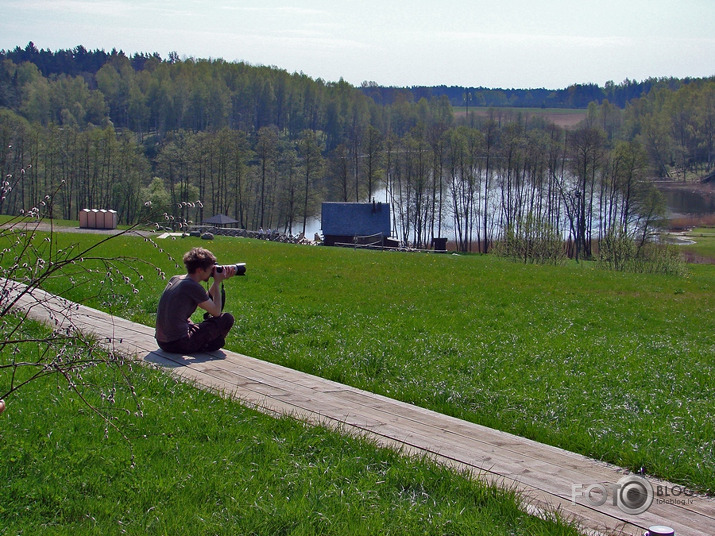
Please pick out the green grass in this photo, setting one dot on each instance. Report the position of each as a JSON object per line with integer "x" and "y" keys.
{"x": 704, "y": 238}
{"x": 613, "y": 365}
{"x": 195, "y": 463}
{"x": 616, "y": 366}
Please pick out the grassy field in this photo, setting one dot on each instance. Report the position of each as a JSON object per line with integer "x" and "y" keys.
{"x": 615, "y": 366}
{"x": 194, "y": 463}
{"x": 704, "y": 246}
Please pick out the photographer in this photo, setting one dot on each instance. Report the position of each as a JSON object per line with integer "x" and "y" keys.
{"x": 175, "y": 332}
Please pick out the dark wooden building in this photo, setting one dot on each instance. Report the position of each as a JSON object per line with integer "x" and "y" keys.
{"x": 355, "y": 223}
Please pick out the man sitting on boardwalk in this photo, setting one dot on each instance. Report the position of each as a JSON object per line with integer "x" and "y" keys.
{"x": 175, "y": 332}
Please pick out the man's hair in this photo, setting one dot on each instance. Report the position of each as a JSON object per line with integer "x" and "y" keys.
{"x": 197, "y": 258}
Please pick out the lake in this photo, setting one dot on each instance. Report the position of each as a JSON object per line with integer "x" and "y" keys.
{"x": 688, "y": 199}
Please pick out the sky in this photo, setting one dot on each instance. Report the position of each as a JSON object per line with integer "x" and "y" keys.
{"x": 472, "y": 43}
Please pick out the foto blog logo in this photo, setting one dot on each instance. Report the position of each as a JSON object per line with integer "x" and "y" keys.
{"x": 633, "y": 494}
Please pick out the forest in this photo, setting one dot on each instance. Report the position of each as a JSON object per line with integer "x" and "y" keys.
{"x": 182, "y": 139}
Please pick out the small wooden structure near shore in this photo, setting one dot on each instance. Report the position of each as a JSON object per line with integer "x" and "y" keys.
{"x": 355, "y": 223}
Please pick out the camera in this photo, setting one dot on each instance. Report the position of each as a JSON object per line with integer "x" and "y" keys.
{"x": 240, "y": 268}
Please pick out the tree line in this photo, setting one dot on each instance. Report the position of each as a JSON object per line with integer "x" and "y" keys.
{"x": 574, "y": 96}
{"x": 79, "y": 60}
{"x": 186, "y": 138}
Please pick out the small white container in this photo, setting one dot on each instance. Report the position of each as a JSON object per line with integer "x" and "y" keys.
{"x": 659, "y": 530}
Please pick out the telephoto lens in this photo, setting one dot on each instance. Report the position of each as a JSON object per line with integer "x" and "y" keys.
{"x": 240, "y": 268}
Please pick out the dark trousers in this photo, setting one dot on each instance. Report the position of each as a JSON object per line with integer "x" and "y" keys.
{"x": 208, "y": 336}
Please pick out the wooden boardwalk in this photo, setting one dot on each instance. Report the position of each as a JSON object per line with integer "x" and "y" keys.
{"x": 547, "y": 477}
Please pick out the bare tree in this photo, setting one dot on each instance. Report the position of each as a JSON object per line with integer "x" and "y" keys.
{"x": 31, "y": 259}
{"x": 587, "y": 148}
{"x": 312, "y": 162}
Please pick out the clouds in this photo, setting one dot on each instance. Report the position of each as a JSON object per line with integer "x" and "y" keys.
{"x": 513, "y": 43}
{"x": 84, "y": 8}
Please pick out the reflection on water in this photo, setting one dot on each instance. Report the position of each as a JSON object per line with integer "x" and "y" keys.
{"x": 682, "y": 200}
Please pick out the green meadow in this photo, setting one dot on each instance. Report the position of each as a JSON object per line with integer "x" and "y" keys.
{"x": 612, "y": 365}
{"x": 704, "y": 242}
{"x": 194, "y": 463}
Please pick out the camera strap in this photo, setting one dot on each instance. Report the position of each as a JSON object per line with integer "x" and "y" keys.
{"x": 223, "y": 302}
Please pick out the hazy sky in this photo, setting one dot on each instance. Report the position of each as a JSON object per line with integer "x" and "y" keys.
{"x": 497, "y": 43}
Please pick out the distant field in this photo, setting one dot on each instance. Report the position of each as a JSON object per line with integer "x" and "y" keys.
{"x": 563, "y": 117}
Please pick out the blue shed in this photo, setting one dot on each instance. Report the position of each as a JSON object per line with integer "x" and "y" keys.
{"x": 343, "y": 222}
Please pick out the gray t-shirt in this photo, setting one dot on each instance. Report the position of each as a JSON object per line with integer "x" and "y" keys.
{"x": 178, "y": 302}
